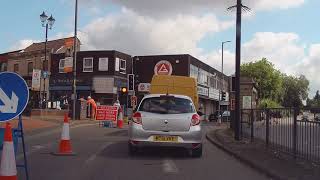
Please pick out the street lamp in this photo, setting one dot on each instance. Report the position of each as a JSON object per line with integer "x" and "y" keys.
{"x": 220, "y": 95}
{"x": 222, "y": 54}
{"x": 222, "y": 44}
{"x": 47, "y": 23}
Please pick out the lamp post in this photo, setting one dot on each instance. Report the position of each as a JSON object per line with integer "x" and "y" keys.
{"x": 47, "y": 23}
{"x": 220, "y": 95}
{"x": 222, "y": 44}
{"x": 74, "y": 84}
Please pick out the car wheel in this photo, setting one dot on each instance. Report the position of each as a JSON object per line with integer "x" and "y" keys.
{"x": 132, "y": 150}
{"x": 197, "y": 153}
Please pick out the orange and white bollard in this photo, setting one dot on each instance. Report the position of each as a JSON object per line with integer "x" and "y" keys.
{"x": 65, "y": 143}
{"x": 120, "y": 119}
{"x": 8, "y": 168}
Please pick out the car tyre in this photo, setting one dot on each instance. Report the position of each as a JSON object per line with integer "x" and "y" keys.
{"x": 197, "y": 153}
{"x": 132, "y": 150}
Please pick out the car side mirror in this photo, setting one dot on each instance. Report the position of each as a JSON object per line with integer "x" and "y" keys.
{"x": 200, "y": 113}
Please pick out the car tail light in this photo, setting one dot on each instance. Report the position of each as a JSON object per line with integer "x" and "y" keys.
{"x": 195, "y": 120}
{"x": 137, "y": 118}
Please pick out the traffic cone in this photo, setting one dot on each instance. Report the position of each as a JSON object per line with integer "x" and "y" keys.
{"x": 8, "y": 168}
{"x": 65, "y": 144}
{"x": 120, "y": 120}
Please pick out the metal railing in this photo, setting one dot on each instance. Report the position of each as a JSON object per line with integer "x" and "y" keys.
{"x": 290, "y": 130}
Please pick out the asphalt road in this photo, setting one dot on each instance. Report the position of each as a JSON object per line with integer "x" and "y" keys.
{"x": 102, "y": 154}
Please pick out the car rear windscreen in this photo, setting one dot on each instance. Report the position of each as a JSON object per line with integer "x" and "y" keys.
{"x": 167, "y": 105}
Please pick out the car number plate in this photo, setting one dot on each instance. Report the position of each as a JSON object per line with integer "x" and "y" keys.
{"x": 165, "y": 138}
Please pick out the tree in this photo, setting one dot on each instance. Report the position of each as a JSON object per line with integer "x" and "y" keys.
{"x": 268, "y": 78}
{"x": 295, "y": 89}
{"x": 315, "y": 102}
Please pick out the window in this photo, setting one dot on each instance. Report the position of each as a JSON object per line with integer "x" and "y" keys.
{"x": 30, "y": 68}
{"x": 194, "y": 71}
{"x": 167, "y": 105}
{"x": 61, "y": 66}
{"x": 87, "y": 64}
{"x": 117, "y": 64}
{"x": 103, "y": 64}
{"x": 3, "y": 66}
{"x": 122, "y": 64}
{"x": 16, "y": 68}
{"x": 203, "y": 77}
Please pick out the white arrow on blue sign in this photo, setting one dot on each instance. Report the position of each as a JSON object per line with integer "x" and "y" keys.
{"x": 14, "y": 95}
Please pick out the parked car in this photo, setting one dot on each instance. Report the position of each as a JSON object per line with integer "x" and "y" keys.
{"x": 214, "y": 117}
{"x": 226, "y": 114}
{"x": 305, "y": 117}
{"x": 317, "y": 117}
{"x": 166, "y": 120}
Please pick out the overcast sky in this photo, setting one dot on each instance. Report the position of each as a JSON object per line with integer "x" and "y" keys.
{"x": 285, "y": 32}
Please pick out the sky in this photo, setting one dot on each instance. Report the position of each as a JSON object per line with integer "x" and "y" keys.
{"x": 285, "y": 32}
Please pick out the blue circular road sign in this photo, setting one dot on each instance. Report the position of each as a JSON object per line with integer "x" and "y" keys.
{"x": 14, "y": 95}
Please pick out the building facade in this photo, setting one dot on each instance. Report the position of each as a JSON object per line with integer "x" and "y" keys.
{"x": 211, "y": 83}
{"x": 32, "y": 58}
{"x": 100, "y": 74}
{"x": 249, "y": 96}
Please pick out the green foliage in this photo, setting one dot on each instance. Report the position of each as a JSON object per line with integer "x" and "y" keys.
{"x": 315, "y": 102}
{"x": 268, "y": 103}
{"x": 266, "y": 76}
{"x": 295, "y": 90}
{"x": 274, "y": 87}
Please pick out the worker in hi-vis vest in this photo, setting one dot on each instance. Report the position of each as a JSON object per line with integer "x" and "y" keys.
{"x": 93, "y": 104}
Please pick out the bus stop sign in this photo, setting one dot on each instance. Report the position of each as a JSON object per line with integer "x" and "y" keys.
{"x": 14, "y": 95}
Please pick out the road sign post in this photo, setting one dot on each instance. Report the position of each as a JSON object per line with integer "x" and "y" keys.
{"x": 14, "y": 97}
{"x": 134, "y": 100}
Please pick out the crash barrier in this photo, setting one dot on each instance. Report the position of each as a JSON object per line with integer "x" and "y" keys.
{"x": 291, "y": 130}
{"x": 107, "y": 116}
{"x": 65, "y": 142}
{"x": 14, "y": 134}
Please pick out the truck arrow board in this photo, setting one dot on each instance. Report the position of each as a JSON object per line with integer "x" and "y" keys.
{"x": 14, "y": 95}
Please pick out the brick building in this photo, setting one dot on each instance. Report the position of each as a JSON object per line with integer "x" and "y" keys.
{"x": 211, "y": 83}
{"x": 100, "y": 74}
{"x": 33, "y": 57}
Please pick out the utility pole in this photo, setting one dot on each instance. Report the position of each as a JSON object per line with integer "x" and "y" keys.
{"x": 74, "y": 87}
{"x": 239, "y": 8}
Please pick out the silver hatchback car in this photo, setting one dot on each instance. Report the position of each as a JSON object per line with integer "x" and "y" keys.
{"x": 166, "y": 120}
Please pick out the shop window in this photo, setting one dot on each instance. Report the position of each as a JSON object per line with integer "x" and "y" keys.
{"x": 61, "y": 65}
{"x": 87, "y": 64}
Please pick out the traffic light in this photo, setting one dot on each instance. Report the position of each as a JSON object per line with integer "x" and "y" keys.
{"x": 130, "y": 82}
{"x": 123, "y": 90}
{"x": 223, "y": 96}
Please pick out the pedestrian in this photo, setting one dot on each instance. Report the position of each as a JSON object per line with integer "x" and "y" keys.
{"x": 93, "y": 104}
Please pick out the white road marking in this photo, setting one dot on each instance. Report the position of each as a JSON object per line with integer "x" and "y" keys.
{"x": 94, "y": 156}
{"x": 34, "y": 149}
{"x": 168, "y": 166}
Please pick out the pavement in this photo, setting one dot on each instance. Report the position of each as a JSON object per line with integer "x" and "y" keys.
{"x": 274, "y": 164}
{"x": 102, "y": 153}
